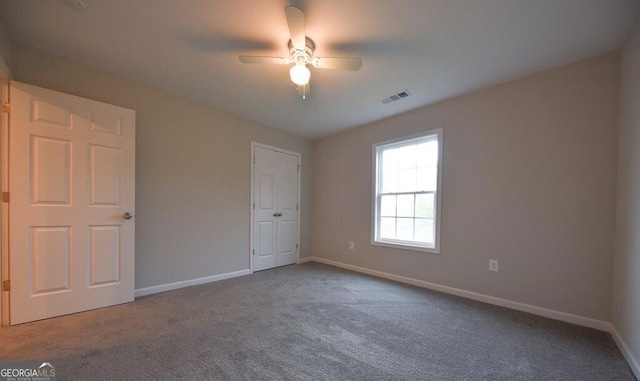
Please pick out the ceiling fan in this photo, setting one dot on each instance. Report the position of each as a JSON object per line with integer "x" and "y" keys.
{"x": 301, "y": 50}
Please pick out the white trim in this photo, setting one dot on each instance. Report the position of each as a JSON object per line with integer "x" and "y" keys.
{"x": 251, "y": 200}
{"x": 403, "y": 246}
{"x": 634, "y": 363}
{"x": 188, "y": 283}
{"x": 540, "y": 311}
{"x": 4, "y": 185}
{"x": 251, "y": 206}
{"x": 398, "y": 142}
{"x": 305, "y": 260}
{"x": 278, "y": 149}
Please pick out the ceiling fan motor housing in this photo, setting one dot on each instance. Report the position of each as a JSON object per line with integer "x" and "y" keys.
{"x": 302, "y": 55}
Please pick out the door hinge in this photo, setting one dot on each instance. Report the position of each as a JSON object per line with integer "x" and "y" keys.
{"x": 5, "y": 197}
{"x": 297, "y": 207}
{"x": 6, "y": 107}
{"x": 296, "y": 245}
{"x": 254, "y": 160}
{"x": 254, "y": 251}
{"x": 254, "y": 205}
{"x": 6, "y": 285}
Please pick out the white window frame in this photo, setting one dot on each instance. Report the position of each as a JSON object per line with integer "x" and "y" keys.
{"x": 376, "y": 199}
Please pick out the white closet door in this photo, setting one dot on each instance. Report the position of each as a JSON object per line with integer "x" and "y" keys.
{"x": 287, "y": 220}
{"x": 275, "y": 225}
{"x": 264, "y": 213}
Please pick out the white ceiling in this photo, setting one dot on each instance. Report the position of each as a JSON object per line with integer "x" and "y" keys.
{"x": 436, "y": 49}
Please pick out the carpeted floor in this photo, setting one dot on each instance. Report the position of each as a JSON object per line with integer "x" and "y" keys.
{"x": 313, "y": 322}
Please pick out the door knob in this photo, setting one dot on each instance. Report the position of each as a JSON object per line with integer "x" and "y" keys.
{"x": 277, "y": 214}
{"x": 127, "y": 215}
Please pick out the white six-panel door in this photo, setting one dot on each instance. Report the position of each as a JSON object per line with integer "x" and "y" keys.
{"x": 287, "y": 220}
{"x": 275, "y": 193}
{"x": 71, "y": 181}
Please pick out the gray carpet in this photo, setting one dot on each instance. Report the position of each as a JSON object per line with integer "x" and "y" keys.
{"x": 313, "y": 322}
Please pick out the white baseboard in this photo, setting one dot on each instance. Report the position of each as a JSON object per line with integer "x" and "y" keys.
{"x": 304, "y": 260}
{"x": 552, "y": 314}
{"x": 187, "y": 283}
{"x": 634, "y": 364}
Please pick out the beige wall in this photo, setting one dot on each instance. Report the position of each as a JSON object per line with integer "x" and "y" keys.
{"x": 193, "y": 167}
{"x": 626, "y": 296}
{"x": 529, "y": 180}
{"x": 5, "y": 47}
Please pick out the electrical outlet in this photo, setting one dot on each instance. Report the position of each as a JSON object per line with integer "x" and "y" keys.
{"x": 351, "y": 245}
{"x": 493, "y": 265}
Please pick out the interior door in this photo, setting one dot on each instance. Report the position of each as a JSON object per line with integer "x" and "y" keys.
{"x": 72, "y": 187}
{"x": 287, "y": 214}
{"x": 275, "y": 227}
{"x": 265, "y": 209}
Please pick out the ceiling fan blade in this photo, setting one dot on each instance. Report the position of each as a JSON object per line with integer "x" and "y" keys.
{"x": 343, "y": 63}
{"x": 304, "y": 90}
{"x": 295, "y": 19}
{"x": 265, "y": 60}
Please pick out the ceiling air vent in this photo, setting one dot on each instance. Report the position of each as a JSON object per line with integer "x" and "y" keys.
{"x": 396, "y": 97}
{"x": 78, "y": 5}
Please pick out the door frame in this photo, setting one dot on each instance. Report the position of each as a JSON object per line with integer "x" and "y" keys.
{"x": 251, "y": 200}
{"x": 5, "y": 77}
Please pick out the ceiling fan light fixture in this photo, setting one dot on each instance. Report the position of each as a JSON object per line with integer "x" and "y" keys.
{"x": 300, "y": 74}
{"x": 301, "y": 54}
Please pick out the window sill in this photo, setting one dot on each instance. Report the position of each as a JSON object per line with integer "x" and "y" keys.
{"x": 406, "y": 247}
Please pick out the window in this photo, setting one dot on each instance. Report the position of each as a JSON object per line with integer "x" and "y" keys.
{"x": 408, "y": 174}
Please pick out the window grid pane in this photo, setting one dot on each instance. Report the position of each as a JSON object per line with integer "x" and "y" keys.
{"x": 390, "y": 181}
{"x": 405, "y": 206}
{"x": 388, "y": 206}
{"x": 404, "y": 229}
{"x": 424, "y": 205}
{"x": 407, "y": 180}
{"x": 388, "y": 227}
